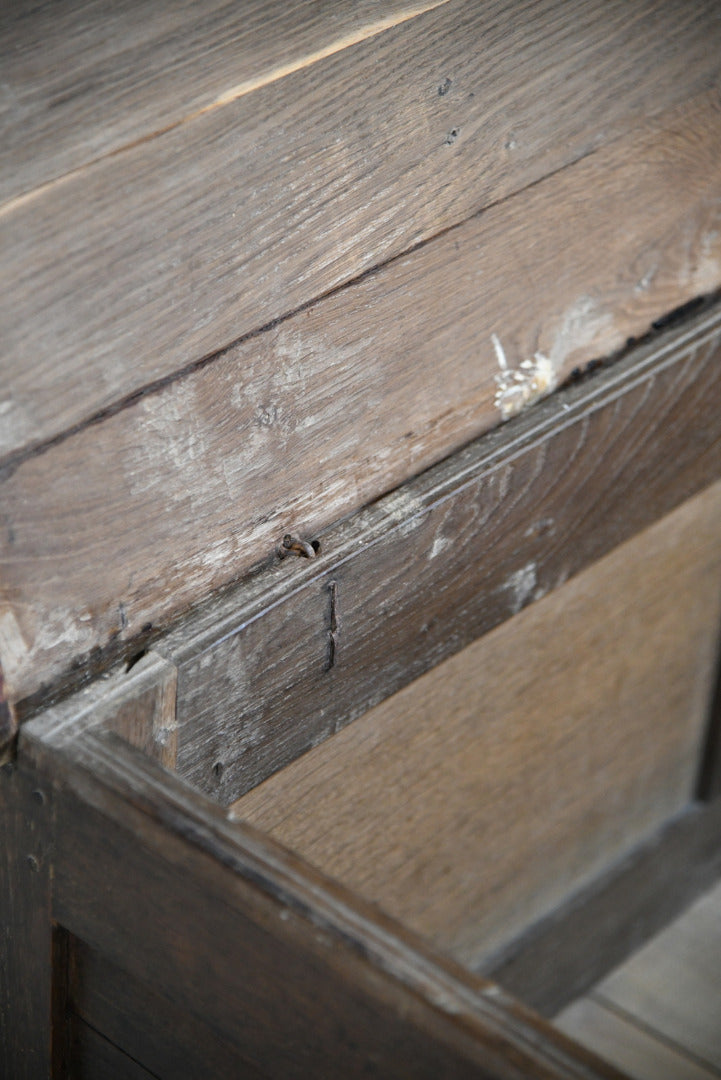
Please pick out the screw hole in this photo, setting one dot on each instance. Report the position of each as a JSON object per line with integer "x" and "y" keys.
{"x": 218, "y": 769}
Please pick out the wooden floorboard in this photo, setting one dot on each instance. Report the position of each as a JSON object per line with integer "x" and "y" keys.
{"x": 673, "y": 984}
{"x": 663, "y": 1005}
{"x": 617, "y": 1038}
{"x": 149, "y": 260}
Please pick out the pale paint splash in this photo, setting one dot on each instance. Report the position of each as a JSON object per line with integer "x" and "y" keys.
{"x": 521, "y": 386}
{"x": 522, "y": 586}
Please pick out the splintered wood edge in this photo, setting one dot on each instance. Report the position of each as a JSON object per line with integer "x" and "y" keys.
{"x": 141, "y": 703}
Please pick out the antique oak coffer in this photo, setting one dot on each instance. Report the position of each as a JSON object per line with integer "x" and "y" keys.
{"x": 360, "y": 527}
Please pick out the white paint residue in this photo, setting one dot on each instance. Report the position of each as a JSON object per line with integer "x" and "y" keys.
{"x": 439, "y": 545}
{"x": 13, "y": 647}
{"x": 521, "y": 386}
{"x": 522, "y": 585}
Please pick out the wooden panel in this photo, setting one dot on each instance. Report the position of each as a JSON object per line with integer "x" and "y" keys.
{"x": 673, "y": 984}
{"x": 562, "y": 955}
{"x": 304, "y": 977}
{"x": 478, "y": 797}
{"x": 84, "y": 80}
{"x": 94, "y": 1057}
{"x": 25, "y": 928}
{"x": 148, "y": 261}
{"x": 187, "y": 488}
{"x": 173, "y": 1043}
{"x": 640, "y": 1053}
{"x": 419, "y": 575}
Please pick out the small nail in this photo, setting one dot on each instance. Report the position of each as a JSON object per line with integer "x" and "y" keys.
{"x": 298, "y": 547}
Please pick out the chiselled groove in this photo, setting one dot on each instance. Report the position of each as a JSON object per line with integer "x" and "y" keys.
{"x": 457, "y": 553}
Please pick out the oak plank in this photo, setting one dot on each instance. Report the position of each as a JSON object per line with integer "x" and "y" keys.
{"x": 292, "y": 968}
{"x": 191, "y": 486}
{"x": 149, "y": 261}
{"x": 481, "y": 795}
{"x": 672, "y": 985}
{"x": 84, "y": 80}
{"x": 619, "y": 1040}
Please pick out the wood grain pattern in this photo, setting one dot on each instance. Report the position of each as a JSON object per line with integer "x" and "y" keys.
{"x": 83, "y": 81}
{"x": 478, "y": 797}
{"x": 673, "y": 985}
{"x": 418, "y": 576}
{"x": 25, "y": 926}
{"x": 191, "y": 486}
{"x": 616, "y": 1038}
{"x": 301, "y": 975}
{"x": 148, "y": 261}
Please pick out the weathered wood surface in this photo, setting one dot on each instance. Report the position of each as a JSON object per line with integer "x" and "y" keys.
{"x": 85, "y": 80}
{"x": 673, "y": 984}
{"x": 190, "y": 486}
{"x": 150, "y": 260}
{"x": 561, "y": 957}
{"x": 25, "y": 925}
{"x": 480, "y": 796}
{"x": 300, "y": 975}
{"x": 422, "y": 573}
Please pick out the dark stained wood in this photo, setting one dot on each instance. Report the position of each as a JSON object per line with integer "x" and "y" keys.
{"x": 191, "y": 486}
{"x": 83, "y": 80}
{"x": 131, "y": 1014}
{"x": 709, "y": 775}
{"x": 149, "y": 260}
{"x": 25, "y": 926}
{"x": 565, "y": 954}
{"x": 295, "y": 971}
{"x": 95, "y": 1056}
{"x": 484, "y": 793}
{"x": 420, "y": 574}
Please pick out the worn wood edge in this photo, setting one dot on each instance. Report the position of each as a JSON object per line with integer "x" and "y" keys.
{"x": 199, "y": 348}
{"x": 75, "y": 619}
{"x": 354, "y": 689}
{"x": 274, "y": 582}
{"x": 565, "y": 953}
{"x": 120, "y": 782}
{"x": 272, "y": 585}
